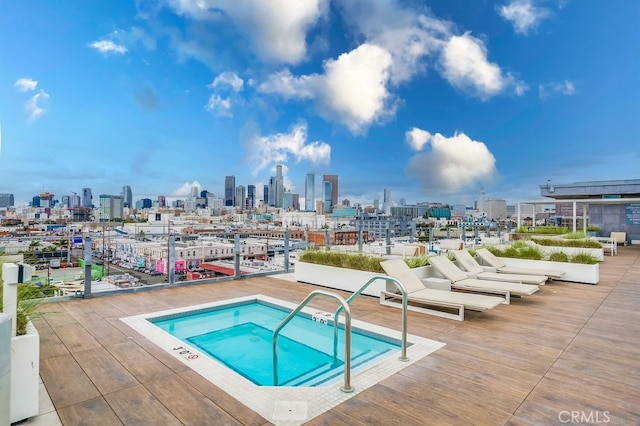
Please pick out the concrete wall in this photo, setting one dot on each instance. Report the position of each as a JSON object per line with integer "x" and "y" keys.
{"x": 612, "y": 217}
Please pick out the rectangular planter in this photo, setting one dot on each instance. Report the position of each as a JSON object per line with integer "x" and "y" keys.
{"x": 25, "y": 375}
{"x": 574, "y": 272}
{"x": 339, "y": 278}
{"x": 598, "y": 253}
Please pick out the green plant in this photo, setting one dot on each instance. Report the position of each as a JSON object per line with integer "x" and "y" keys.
{"x": 542, "y": 230}
{"x": 593, "y": 228}
{"x": 558, "y": 257}
{"x": 533, "y": 253}
{"x": 359, "y": 262}
{"x": 584, "y": 258}
{"x": 27, "y": 303}
{"x": 568, "y": 243}
{"x": 417, "y": 262}
{"x": 578, "y": 235}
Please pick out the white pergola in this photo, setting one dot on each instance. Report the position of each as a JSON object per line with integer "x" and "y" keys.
{"x": 575, "y": 203}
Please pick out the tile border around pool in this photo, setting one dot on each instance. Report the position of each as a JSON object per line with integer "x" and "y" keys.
{"x": 266, "y": 400}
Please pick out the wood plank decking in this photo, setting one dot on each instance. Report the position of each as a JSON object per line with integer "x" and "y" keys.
{"x": 568, "y": 348}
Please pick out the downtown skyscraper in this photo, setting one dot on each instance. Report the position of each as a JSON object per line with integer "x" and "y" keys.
{"x": 310, "y": 192}
{"x": 330, "y": 192}
{"x": 229, "y": 190}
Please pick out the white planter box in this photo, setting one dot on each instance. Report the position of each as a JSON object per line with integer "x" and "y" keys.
{"x": 25, "y": 374}
{"x": 574, "y": 272}
{"x": 339, "y": 278}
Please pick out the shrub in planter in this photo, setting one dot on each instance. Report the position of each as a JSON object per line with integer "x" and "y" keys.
{"x": 558, "y": 257}
{"x": 584, "y": 258}
{"x": 358, "y": 262}
{"x": 580, "y": 243}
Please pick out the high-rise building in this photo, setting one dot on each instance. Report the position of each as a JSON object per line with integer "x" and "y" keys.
{"x": 334, "y": 191}
{"x": 265, "y": 195}
{"x": 251, "y": 197}
{"x": 144, "y": 203}
{"x": 127, "y": 197}
{"x": 6, "y": 200}
{"x": 35, "y": 201}
{"x": 66, "y": 201}
{"x": 110, "y": 208}
{"x": 47, "y": 200}
{"x": 229, "y": 190}
{"x": 310, "y": 192}
{"x": 87, "y": 198}
{"x": 327, "y": 191}
{"x": 241, "y": 196}
{"x": 482, "y": 198}
{"x": 75, "y": 200}
{"x": 162, "y": 201}
{"x": 386, "y": 201}
{"x": 279, "y": 188}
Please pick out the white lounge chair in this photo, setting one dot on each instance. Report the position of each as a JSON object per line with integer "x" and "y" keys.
{"x": 475, "y": 270}
{"x": 501, "y": 267}
{"x": 423, "y": 299}
{"x": 460, "y": 280}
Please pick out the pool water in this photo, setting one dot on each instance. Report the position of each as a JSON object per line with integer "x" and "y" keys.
{"x": 240, "y": 337}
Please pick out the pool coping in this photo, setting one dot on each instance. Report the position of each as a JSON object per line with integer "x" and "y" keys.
{"x": 283, "y": 406}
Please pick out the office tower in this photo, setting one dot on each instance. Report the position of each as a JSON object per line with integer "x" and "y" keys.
{"x": 66, "y": 201}
{"x": 481, "y": 200}
{"x": 162, "y": 201}
{"x": 6, "y": 200}
{"x": 127, "y": 197}
{"x": 35, "y": 201}
{"x": 279, "y": 188}
{"x": 296, "y": 202}
{"x": 376, "y": 204}
{"x": 287, "y": 200}
{"x": 87, "y": 198}
{"x": 251, "y": 196}
{"x": 229, "y": 190}
{"x": 75, "y": 200}
{"x": 111, "y": 207}
{"x": 194, "y": 191}
{"x": 144, "y": 203}
{"x": 386, "y": 201}
{"x": 265, "y": 195}
{"x": 334, "y": 190}
{"x": 241, "y": 196}
{"x": 204, "y": 194}
{"x": 327, "y": 193}
{"x": 310, "y": 192}
{"x": 47, "y": 200}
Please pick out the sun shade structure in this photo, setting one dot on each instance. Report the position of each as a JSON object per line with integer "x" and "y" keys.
{"x": 501, "y": 267}
{"x": 442, "y": 303}
{"x": 475, "y": 270}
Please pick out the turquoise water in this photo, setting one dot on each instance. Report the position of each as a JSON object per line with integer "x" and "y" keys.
{"x": 240, "y": 337}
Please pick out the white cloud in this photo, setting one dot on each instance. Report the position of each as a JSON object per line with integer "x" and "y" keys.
{"x": 279, "y": 147}
{"x": 108, "y": 46}
{"x": 449, "y": 164}
{"x": 277, "y": 28}
{"x": 465, "y": 65}
{"x": 219, "y": 106}
{"x": 185, "y": 189}
{"x": 524, "y": 15}
{"x": 564, "y": 87}
{"x": 25, "y": 84}
{"x": 227, "y": 78}
{"x": 33, "y": 106}
{"x": 417, "y": 138}
{"x": 353, "y": 89}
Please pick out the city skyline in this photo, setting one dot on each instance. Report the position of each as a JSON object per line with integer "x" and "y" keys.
{"x": 432, "y": 101}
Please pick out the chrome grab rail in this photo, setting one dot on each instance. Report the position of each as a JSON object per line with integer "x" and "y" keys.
{"x": 403, "y": 356}
{"x": 347, "y": 336}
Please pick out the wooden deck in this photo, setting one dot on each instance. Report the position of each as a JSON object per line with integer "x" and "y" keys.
{"x": 568, "y": 348}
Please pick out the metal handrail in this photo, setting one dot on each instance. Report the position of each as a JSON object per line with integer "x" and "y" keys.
{"x": 403, "y": 356}
{"x": 347, "y": 336}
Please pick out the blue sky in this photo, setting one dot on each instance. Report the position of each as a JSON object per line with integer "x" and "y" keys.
{"x": 432, "y": 99}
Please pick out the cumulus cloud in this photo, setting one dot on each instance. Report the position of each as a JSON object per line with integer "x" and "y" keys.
{"x": 465, "y": 65}
{"x": 219, "y": 106}
{"x": 34, "y": 106}
{"x": 353, "y": 89}
{"x": 449, "y": 164}
{"x": 227, "y": 79}
{"x": 227, "y": 83}
{"x": 25, "y": 84}
{"x": 524, "y": 15}
{"x": 280, "y": 147}
{"x": 564, "y": 87}
{"x": 108, "y": 46}
{"x": 185, "y": 189}
{"x": 276, "y": 28}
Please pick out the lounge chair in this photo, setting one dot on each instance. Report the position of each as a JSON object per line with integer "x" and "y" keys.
{"x": 460, "y": 280}
{"x": 475, "y": 270}
{"x": 502, "y": 268}
{"x": 423, "y": 299}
